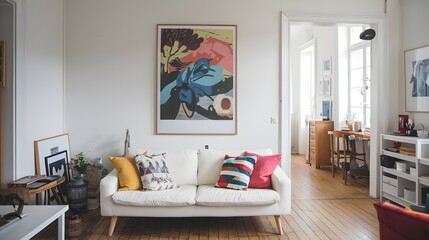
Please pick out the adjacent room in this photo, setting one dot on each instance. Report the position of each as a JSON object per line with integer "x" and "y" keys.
{"x": 248, "y": 119}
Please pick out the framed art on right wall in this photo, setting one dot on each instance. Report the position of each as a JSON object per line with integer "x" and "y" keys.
{"x": 417, "y": 79}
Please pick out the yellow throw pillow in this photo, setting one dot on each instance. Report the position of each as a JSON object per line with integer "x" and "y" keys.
{"x": 129, "y": 177}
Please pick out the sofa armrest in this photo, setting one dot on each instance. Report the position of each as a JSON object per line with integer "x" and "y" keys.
{"x": 281, "y": 183}
{"x": 108, "y": 186}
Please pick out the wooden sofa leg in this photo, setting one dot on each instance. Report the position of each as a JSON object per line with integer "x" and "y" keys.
{"x": 279, "y": 224}
{"x": 112, "y": 225}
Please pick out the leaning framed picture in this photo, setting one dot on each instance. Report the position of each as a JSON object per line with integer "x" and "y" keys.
{"x": 196, "y": 79}
{"x": 48, "y": 147}
{"x": 57, "y": 164}
{"x": 417, "y": 79}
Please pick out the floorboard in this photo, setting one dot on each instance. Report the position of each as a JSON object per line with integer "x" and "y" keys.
{"x": 323, "y": 207}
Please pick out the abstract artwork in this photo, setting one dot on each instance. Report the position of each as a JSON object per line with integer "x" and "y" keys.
{"x": 57, "y": 164}
{"x": 417, "y": 79}
{"x": 196, "y": 79}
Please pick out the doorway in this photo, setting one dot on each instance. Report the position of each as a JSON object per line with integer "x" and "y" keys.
{"x": 377, "y": 75}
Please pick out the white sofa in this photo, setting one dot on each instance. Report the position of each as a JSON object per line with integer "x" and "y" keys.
{"x": 196, "y": 172}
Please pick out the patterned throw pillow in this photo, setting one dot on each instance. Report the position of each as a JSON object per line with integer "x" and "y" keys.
{"x": 154, "y": 172}
{"x": 236, "y": 171}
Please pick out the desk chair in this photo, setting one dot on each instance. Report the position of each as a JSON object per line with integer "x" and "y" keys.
{"x": 336, "y": 152}
{"x": 357, "y": 171}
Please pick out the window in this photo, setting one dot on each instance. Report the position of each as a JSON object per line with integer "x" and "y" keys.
{"x": 359, "y": 78}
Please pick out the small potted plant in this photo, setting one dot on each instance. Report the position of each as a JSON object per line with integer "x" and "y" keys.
{"x": 81, "y": 165}
{"x": 77, "y": 189}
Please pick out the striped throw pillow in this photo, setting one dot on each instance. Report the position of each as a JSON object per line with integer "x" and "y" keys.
{"x": 235, "y": 172}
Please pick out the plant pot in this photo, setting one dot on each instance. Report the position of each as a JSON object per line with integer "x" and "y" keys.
{"x": 77, "y": 194}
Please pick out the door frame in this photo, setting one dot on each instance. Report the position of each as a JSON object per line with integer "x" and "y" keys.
{"x": 379, "y": 98}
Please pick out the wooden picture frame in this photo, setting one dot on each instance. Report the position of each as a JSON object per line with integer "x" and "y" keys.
{"x": 3, "y": 65}
{"x": 47, "y": 147}
{"x": 196, "y": 79}
{"x": 416, "y": 76}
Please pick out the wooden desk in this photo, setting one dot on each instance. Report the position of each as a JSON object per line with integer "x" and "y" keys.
{"x": 365, "y": 135}
{"x": 351, "y": 153}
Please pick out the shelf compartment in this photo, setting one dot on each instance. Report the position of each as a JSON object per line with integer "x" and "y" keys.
{"x": 424, "y": 181}
{"x": 390, "y": 189}
{"x": 399, "y": 174}
{"x": 399, "y": 156}
{"x": 424, "y": 161}
{"x": 402, "y": 139}
{"x": 399, "y": 200}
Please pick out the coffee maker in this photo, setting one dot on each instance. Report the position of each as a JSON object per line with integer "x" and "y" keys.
{"x": 402, "y": 123}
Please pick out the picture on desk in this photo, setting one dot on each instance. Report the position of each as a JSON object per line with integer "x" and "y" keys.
{"x": 57, "y": 164}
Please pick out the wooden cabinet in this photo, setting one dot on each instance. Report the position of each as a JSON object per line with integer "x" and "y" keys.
{"x": 408, "y": 183}
{"x": 320, "y": 150}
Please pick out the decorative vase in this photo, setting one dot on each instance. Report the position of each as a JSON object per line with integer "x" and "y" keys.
{"x": 77, "y": 194}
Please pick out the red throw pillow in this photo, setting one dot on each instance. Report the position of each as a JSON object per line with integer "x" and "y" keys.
{"x": 264, "y": 167}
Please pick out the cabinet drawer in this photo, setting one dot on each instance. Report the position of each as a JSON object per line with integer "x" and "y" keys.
{"x": 392, "y": 190}
{"x": 390, "y": 180}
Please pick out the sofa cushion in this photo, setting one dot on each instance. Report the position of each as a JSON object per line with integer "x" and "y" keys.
{"x": 154, "y": 172}
{"x": 177, "y": 161}
{"x": 264, "y": 167}
{"x": 128, "y": 176}
{"x": 182, "y": 196}
{"x": 210, "y": 163}
{"x": 236, "y": 171}
{"x": 223, "y": 197}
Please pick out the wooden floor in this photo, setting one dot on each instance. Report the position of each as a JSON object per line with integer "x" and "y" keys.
{"x": 322, "y": 208}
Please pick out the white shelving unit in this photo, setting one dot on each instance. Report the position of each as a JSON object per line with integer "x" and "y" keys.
{"x": 398, "y": 186}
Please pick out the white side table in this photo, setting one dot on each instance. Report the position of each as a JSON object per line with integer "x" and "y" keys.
{"x": 37, "y": 218}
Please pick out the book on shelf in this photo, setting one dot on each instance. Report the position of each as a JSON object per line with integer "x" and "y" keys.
{"x": 407, "y": 151}
{"x": 25, "y": 181}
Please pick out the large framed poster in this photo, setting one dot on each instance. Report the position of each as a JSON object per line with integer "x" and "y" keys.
{"x": 196, "y": 79}
{"x": 417, "y": 80}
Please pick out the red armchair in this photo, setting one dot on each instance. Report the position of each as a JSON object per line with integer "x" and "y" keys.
{"x": 397, "y": 223}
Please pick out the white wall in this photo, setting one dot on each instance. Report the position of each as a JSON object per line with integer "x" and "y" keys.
{"x": 298, "y": 36}
{"x": 118, "y": 32}
{"x": 415, "y": 35}
{"x": 325, "y": 48}
{"x": 111, "y": 62}
{"x": 39, "y": 86}
{"x": 111, "y": 65}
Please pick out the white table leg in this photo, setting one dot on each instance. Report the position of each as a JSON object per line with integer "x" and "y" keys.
{"x": 61, "y": 227}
